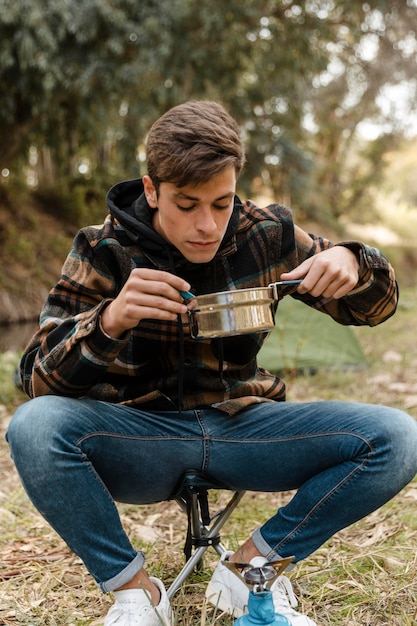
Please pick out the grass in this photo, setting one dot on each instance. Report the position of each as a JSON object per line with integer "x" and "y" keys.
{"x": 365, "y": 575}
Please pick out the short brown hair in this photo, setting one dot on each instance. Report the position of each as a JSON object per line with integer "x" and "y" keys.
{"x": 193, "y": 142}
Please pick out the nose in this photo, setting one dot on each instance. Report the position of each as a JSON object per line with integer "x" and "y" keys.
{"x": 205, "y": 221}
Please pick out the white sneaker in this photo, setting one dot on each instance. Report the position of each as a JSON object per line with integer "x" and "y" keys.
{"x": 228, "y": 593}
{"x": 133, "y": 607}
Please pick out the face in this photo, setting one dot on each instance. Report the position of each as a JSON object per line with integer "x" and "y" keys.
{"x": 193, "y": 218}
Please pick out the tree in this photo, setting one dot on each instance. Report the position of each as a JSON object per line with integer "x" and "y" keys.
{"x": 86, "y": 78}
{"x": 368, "y": 55}
{"x": 59, "y": 70}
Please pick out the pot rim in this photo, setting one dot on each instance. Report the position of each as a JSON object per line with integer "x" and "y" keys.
{"x": 246, "y": 296}
{"x": 249, "y": 296}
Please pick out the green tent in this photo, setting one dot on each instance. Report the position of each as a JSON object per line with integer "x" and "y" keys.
{"x": 305, "y": 339}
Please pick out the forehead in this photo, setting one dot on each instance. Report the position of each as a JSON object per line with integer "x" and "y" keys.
{"x": 220, "y": 186}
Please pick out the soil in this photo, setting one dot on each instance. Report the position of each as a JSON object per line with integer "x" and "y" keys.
{"x": 33, "y": 246}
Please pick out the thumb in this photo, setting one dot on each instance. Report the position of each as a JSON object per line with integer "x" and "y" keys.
{"x": 298, "y": 272}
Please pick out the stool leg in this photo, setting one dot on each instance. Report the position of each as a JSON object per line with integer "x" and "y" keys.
{"x": 205, "y": 533}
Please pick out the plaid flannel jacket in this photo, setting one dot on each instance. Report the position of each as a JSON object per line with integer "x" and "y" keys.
{"x": 70, "y": 355}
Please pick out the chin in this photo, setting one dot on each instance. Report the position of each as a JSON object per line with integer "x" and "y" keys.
{"x": 200, "y": 258}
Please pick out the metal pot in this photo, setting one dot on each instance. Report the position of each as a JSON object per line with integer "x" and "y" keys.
{"x": 236, "y": 312}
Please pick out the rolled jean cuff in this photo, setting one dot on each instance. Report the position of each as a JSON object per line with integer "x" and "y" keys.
{"x": 266, "y": 549}
{"x": 125, "y": 575}
{"x": 263, "y": 547}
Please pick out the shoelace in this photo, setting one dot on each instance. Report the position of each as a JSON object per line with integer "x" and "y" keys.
{"x": 283, "y": 589}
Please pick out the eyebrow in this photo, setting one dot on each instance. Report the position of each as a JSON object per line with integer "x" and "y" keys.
{"x": 185, "y": 196}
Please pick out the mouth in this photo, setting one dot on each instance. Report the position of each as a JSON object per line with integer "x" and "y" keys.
{"x": 203, "y": 245}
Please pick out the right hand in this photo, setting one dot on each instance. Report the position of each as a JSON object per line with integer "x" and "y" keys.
{"x": 147, "y": 294}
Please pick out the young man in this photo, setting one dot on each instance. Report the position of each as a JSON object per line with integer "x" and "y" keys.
{"x": 125, "y": 400}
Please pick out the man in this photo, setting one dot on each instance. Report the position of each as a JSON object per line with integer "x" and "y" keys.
{"x": 125, "y": 400}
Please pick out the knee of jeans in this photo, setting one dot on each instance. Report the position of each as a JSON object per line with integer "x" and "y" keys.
{"x": 401, "y": 433}
{"x": 31, "y": 429}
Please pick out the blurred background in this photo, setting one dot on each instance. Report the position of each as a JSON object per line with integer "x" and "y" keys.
{"x": 325, "y": 93}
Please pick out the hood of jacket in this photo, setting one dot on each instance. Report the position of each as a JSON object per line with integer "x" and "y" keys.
{"x": 128, "y": 205}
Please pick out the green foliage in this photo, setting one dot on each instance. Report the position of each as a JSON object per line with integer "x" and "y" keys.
{"x": 8, "y": 365}
{"x": 77, "y": 203}
{"x": 88, "y": 77}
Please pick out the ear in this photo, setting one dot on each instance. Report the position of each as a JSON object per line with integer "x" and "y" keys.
{"x": 150, "y": 192}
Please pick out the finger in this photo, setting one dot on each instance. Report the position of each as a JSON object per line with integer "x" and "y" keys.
{"x": 136, "y": 300}
{"x": 149, "y": 313}
{"x": 299, "y": 272}
{"x": 137, "y": 288}
{"x": 342, "y": 289}
{"x": 160, "y": 277}
{"x": 330, "y": 287}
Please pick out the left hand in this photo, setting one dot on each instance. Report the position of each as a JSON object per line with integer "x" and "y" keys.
{"x": 331, "y": 273}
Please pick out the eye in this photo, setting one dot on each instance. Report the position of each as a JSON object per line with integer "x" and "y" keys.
{"x": 221, "y": 207}
{"x": 185, "y": 208}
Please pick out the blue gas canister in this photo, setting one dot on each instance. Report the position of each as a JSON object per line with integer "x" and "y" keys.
{"x": 258, "y": 576}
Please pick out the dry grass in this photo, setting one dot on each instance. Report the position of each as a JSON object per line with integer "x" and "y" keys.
{"x": 365, "y": 575}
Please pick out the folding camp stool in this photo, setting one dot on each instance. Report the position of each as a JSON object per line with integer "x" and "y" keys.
{"x": 203, "y": 531}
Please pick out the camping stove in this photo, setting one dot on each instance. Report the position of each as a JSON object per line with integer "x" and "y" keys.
{"x": 259, "y": 579}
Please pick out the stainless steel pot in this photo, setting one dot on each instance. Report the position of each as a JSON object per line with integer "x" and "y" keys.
{"x": 236, "y": 312}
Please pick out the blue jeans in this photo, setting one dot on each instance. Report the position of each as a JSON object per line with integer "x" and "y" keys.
{"x": 76, "y": 457}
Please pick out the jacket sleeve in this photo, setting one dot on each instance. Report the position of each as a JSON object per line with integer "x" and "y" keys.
{"x": 70, "y": 352}
{"x": 375, "y": 297}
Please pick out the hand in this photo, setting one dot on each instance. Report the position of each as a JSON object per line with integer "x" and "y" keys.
{"x": 331, "y": 273}
{"x": 147, "y": 294}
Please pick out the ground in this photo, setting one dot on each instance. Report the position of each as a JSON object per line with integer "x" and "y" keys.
{"x": 364, "y": 576}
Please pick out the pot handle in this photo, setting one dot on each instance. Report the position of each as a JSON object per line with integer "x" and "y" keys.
{"x": 281, "y": 283}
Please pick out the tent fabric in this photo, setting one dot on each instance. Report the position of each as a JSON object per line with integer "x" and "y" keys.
{"x": 306, "y": 339}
